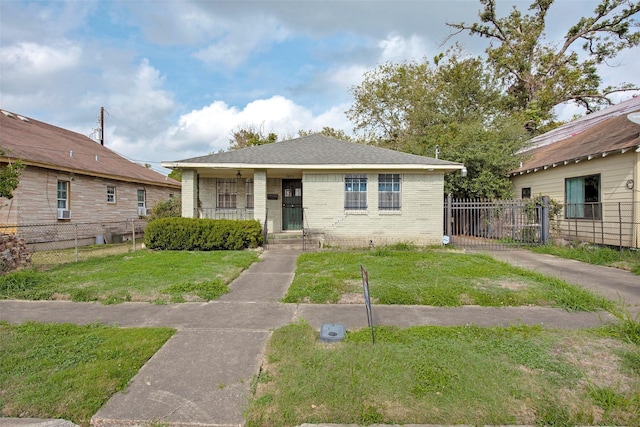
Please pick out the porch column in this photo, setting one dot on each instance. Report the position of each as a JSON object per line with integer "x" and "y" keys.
{"x": 260, "y": 195}
{"x": 189, "y": 193}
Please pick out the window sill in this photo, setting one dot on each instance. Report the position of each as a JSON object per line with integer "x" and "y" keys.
{"x": 390, "y": 212}
{"x": 356, "y": 212}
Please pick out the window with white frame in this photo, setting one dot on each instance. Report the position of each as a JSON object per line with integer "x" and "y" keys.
{"x": 226, "y": 189}
{"x": 389, "y": 191}
{"x": 582, "y": 197}
{"x": 355, "y": 191}
{"x": 142, "y": 199}
{"x": 111, "y": 194}
{"x": 248, "y": 190}
{"x": 63, "y": 195}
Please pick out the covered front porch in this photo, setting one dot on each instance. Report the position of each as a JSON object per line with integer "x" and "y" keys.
{"x": 273, "y": 197}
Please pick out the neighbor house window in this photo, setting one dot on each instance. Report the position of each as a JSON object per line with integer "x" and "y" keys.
{"x": 582, "y": 197}
{"x": 111, "y": 194}
{"x": 526, "y": 193}
{"x": 389, "y": 191}
{"x": 226, "y": 190}
{"x": 355, "y": 191}
{"x": 63, "y": 195}
{"x": 248, "y": 190}
{"x": 142, "y": 199}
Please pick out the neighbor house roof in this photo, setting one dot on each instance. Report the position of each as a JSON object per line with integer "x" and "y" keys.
{"x": 315, "y": 152}
{"x": 40, "y": 144}
{"x": 607, "y": 135}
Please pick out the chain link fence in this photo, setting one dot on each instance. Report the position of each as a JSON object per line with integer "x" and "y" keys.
{"x": 52, "y": 244}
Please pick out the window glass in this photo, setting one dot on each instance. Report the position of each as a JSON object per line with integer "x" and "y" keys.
{"x": 226, "y": 191}
{"x": 63, "y": 194}
{"x": 526, "y": 193}
{"x": 582, "y": 197}
{"x": 355, "y": 191}
{"x": 111, "y": 194}
{"x": 142, "y": 199}
{"x": 389, "y": 191}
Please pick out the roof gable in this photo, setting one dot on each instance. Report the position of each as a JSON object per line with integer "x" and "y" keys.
{"x": 41, "y": 144}
{"x": 313, "y": 151}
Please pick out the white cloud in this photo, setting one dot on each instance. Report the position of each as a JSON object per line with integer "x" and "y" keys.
{"x": 238, "y": 44}
{"x": 27, "y": 59}
{"x": 398, "y": 48}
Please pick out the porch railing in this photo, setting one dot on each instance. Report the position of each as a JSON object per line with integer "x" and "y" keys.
{"x": 216, "y": 213}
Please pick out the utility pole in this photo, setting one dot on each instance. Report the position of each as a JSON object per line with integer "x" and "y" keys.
{"x": 101, "y": 126}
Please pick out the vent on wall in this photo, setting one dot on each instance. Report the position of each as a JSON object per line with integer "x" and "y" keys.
{"x": 64, "y": 214}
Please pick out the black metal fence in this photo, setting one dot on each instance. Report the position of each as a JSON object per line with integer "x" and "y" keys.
{"x": 506, "y": 223}
{"x": 51, "y": 244}
{"x": 495, "y": 223}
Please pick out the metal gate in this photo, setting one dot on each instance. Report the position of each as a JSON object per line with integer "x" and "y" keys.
{"x": 496, "y": 224}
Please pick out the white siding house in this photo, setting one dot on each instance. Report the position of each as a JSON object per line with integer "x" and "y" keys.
{"x": 592, "y": 167}
{"x": 345, "y": 194}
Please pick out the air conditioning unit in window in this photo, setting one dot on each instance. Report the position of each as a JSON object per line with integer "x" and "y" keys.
{"x": 64, "y": 214}
{"x": 143, "y": 211}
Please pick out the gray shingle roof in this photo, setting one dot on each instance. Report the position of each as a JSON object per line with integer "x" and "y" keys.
{"x": 315, "y": 150}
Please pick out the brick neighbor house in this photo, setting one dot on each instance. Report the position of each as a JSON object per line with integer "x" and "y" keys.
{"x": 70, "y": 178}
{"x": 343, "y": 193}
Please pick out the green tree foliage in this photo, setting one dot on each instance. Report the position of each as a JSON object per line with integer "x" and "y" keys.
{"x": 540, "y": 74}
{"x": 327, "y": 131}
{"x": 176, "y": 174}
{"x": 454, "y": 104}
{"x": 250, "y": 137}
{"x": 9, "y": 176}
{"x": 170, "y": 208}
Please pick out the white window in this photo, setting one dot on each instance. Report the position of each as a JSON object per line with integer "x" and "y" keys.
{"x": 389, "y": 191}
{"x": 355, "y": 191}
{"x": 582, "y": 197}
{"x": 248, "y": 189}
{"x": 142, "y": 199}
{"x": 227, "y": 192}
{"x": 111, "y": 194}
{"x": 63, "y": 195}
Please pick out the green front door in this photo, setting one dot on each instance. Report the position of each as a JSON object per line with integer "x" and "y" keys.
{"x": 292, "y": 204}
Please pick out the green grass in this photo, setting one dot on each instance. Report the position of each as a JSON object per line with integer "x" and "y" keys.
{"x": 68, "y": 371}
{"x": 162, "y": 276}
{"x": 625, "y": 259}
{"x": 431, "y": 277}
{"x": 447, "y": 375}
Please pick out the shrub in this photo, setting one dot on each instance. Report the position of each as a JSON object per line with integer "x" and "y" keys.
{"x": 170, "y": 208}
{"x": 193, "y": 234}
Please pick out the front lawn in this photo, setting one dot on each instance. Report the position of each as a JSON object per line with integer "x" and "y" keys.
{"x": 467, "y": 375}
{"x": 430, "y": 277}
{"x": 154, "y": 276}
{"x": 68, "y": 371}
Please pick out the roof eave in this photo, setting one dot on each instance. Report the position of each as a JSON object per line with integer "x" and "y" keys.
{"x": 361, "y": 166}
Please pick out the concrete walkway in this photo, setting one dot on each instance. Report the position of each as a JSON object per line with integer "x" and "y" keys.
{"x": 202, "y": 375}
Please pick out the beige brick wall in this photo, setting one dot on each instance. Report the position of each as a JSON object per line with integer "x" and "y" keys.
{"x": 420, "y": 219}
{"x": 35, "y": 199}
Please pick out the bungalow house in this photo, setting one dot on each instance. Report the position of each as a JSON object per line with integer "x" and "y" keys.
{"x": 343, "y": 193}
{"x": 69, "y": 178}
{"x": 592, "y": 167}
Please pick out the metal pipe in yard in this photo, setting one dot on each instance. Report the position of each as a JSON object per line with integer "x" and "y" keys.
{"x": 75, "y": 232}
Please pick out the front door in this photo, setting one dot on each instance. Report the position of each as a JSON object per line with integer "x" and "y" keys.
{"x": 292, "y": 204}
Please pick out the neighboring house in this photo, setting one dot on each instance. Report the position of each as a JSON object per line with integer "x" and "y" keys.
{"x": 592, "y": 167}
{"x": 70, "y": 178}
{"x": 344, "y": 193}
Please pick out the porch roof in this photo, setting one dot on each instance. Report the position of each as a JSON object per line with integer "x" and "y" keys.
{"x": 315, "y": 152}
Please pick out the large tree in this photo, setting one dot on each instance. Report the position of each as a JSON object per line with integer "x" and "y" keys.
{"x": 454, "y": 106}
{"x": 250, "y": 136}
{"x": 541, "y": 74}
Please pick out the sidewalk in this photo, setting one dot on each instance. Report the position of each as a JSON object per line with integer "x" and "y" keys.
{"x": 202, "y": 375}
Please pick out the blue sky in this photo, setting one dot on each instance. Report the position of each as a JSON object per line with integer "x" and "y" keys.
{"x": 177, "y": 77}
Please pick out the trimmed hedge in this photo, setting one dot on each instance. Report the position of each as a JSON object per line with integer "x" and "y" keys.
{"x": 194, "y": 234}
